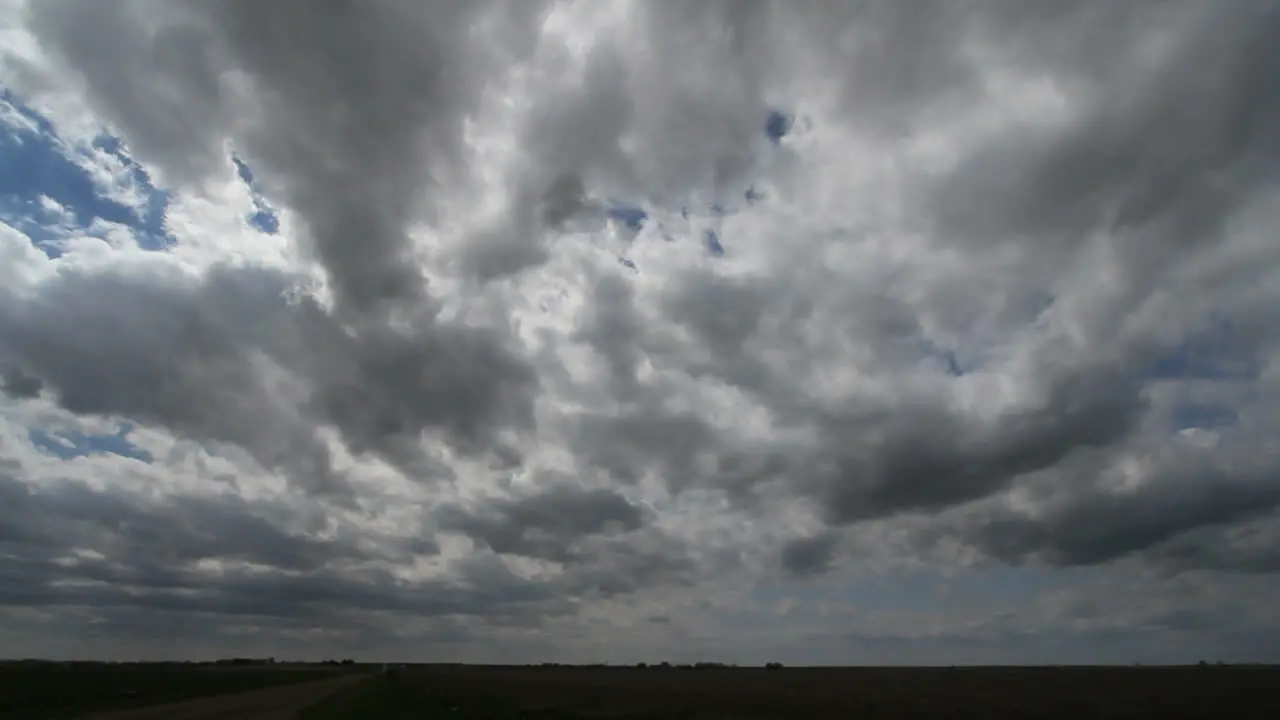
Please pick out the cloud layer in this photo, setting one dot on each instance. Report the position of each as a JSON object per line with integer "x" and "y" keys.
{"x": 862, "y": 332}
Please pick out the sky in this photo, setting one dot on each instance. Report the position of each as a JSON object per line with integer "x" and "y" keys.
{"x": 724, "y": 330}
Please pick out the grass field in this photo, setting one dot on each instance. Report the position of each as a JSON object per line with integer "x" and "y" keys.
{"x": 56, "y": 690}
{"x": 470, "y": 693}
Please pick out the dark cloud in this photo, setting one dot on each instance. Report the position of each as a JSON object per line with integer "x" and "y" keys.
{"x": 356, "y": 112}
{"x": 19, "y": 385}
{"x": 352, "y": 111}
{"x": 875, "y": 459}
{"x": 392, "y": 385}
{"x": 611, "y": 329}
{"x": 601, "y": 539}
{"x": 929, "y": 462}
{"x": 313, "y": 598}
{"x": 70, "y": 546}
{"x": 168, "y": 533}
{"x": 1226, "y": 542}
{"x": 637, "y": 563}
{"x": 1163, "y": 152}
{"x": 809, "y": 555}
{"x": 213, "y": 359}
{"x": 1182, "y": 518}
{"x": 548, "y": 524}
{"x": 157, "y": 347}
{"x": 650, "y": 438}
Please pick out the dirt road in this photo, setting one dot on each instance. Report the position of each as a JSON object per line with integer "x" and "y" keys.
{"x": 277, "y": 703}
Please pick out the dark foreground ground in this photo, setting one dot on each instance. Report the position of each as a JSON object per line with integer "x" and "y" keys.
{"x": 30, "y": 691}
{"x": 461, "y": 692}
{"x": 276, "y": 703}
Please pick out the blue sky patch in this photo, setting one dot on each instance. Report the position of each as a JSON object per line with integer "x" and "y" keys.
{"x": 149, "y": 224}
{"x": 1211, "y": 355}
{"x": 1203, "y": 416}
{"x": 36, "y": 164}
{"x": 712, "y": 241}
{"x": 73, "y": 444}
{"x": 632, "y": 217}
{"x": 263, "y": 218}
{"x": 265, "y": 221}
{"x": 45, "y": 226}
{"x": 944, "y": 357}
{"x": 777, "y": 125}
{"x": 245, "y": 173}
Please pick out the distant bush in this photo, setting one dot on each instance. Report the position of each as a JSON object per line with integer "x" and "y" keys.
{"x": 243, "y": 662}
{"x": 773, "y": 666}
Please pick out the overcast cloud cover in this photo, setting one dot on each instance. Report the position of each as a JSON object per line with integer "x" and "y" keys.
{"x": 820, "y": 332}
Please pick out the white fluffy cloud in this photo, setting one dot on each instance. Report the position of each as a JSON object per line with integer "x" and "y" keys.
{"x": 561, "y": 351}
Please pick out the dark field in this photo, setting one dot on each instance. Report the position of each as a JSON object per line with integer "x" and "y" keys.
{"x": 55, "y": 690}
{"x": 809, "y": 693}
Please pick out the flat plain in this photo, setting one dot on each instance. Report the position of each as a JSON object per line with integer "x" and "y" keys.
{"x": 581, "y": 693}
{"x": 48, "y": 690}
{"x": 275, "y": 703}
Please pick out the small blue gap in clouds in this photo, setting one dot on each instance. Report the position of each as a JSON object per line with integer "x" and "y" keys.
{"x": 632, "y": 217}
{"x": 151, "y": 233}
{"x": 33, "y": 164}
{"x": 753, "y": 196}
{"x": 74, "y": 444}
{"x": 263, "y": 218}
{"x": 1211, "y": 355}
{"x": 1043, "y": 303}
{"x": 42, "y": 226}
{"x": 945, "y": 357}
{"x": 1203, "y": 416}
{"x": 265, "y": 221}
{"x": 953, "y": 365}
{"x": 777, "y": 125}
{"x": 242, "y": 169}
{"x": 712, "y": 241}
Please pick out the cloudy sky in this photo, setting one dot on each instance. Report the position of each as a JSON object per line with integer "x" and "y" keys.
{"x": 738, "y": 330}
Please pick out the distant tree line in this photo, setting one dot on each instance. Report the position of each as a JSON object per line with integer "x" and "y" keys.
{"x": 660, "y": 665}
{"x": 244, "y": 661}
